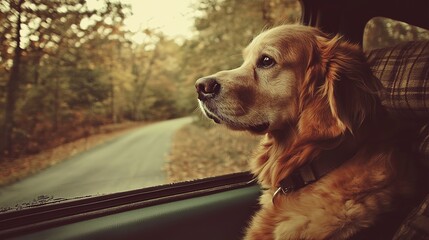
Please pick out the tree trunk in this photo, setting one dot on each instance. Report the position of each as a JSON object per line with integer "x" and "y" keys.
{"x": 12, "y": 89}
{"x": 140, "y": 88}
{"x": 56, "y": 106}
{"x": 112, "y": 100}
{"x": 36, "y": 64}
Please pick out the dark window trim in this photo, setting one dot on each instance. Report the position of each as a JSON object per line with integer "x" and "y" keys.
{"x": 350, "y": 17}
{"x": 32, "y": 219}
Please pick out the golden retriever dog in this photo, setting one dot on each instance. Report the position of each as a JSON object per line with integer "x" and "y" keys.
{"x": 328, "y": 164}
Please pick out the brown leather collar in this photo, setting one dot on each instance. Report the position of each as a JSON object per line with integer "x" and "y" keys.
{"x": 315, "y": 169}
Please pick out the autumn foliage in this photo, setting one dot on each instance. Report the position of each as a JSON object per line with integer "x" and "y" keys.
{"x": 67, "y": 68}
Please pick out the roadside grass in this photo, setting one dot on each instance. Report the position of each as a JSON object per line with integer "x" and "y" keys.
{"x": 202, "y": 149}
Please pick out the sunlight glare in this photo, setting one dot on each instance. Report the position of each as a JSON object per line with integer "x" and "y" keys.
{"x": 172, "y": 17}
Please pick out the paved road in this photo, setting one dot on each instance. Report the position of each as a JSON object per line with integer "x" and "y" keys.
{"x": 132, "y": 161}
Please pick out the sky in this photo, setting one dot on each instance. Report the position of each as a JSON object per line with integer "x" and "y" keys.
{"x": 173, "y": 17}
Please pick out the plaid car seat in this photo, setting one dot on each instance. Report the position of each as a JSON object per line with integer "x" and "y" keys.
{"x": 404, "y": 72}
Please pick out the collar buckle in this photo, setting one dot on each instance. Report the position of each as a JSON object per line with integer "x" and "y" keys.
{"x": 281, "y": 190}
{"x": 295, "y": 181}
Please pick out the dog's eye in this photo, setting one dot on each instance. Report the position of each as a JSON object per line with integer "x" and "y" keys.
{"x": 265, "y": 61}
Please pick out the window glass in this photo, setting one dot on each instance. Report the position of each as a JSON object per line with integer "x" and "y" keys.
{"x": 98, "y": 96}
{"x": 384, "y": 32}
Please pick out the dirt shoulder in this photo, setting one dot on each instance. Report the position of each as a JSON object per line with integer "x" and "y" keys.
{"x": 16, "y": 169}
{"x": 201, "y": 151}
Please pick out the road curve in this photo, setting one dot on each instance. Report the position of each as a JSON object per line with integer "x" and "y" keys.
{"x": 132, "y": 161}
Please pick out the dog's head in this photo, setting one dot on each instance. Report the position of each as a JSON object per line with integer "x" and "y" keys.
{"x": 293, "y": 76}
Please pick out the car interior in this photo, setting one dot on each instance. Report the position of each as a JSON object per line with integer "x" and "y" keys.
{"x": 221, "y": 207}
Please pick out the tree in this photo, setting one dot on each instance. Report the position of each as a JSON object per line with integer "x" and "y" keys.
{"x": 143, "y": 61}
{"x": 162, "y": 93}
{"x": 155, "y": 71}
{"x": 36, "y": 32}
{"x": 14, "y": 77}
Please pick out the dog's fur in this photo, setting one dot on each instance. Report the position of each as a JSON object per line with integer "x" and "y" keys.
{"x": 317, "y": 91}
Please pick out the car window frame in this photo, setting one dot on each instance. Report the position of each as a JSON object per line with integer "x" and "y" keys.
{"x": 50, "y": 215}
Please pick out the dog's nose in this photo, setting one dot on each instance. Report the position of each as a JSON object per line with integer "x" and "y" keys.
{"x": 207, "y": 88}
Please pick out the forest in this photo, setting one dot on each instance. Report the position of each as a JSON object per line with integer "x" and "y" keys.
{"x": 67, "y": 69}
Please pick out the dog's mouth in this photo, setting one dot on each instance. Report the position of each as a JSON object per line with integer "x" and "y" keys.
{"x": 259, "y": 128}
{"x": 213, "y": 117}
{"x": 256, "y": 128}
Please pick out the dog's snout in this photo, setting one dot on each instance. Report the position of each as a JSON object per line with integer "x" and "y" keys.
{"x": 207, "y": 88}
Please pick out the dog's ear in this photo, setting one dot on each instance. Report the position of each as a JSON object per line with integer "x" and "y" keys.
{"x": 348, "y": 84}
{"x": 318, "y": 115}
{"x": 338, "y": 93}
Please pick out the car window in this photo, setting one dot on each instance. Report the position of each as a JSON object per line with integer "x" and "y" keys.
{"x": 98, "y": 97}
{"x": 383, "y": 32}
